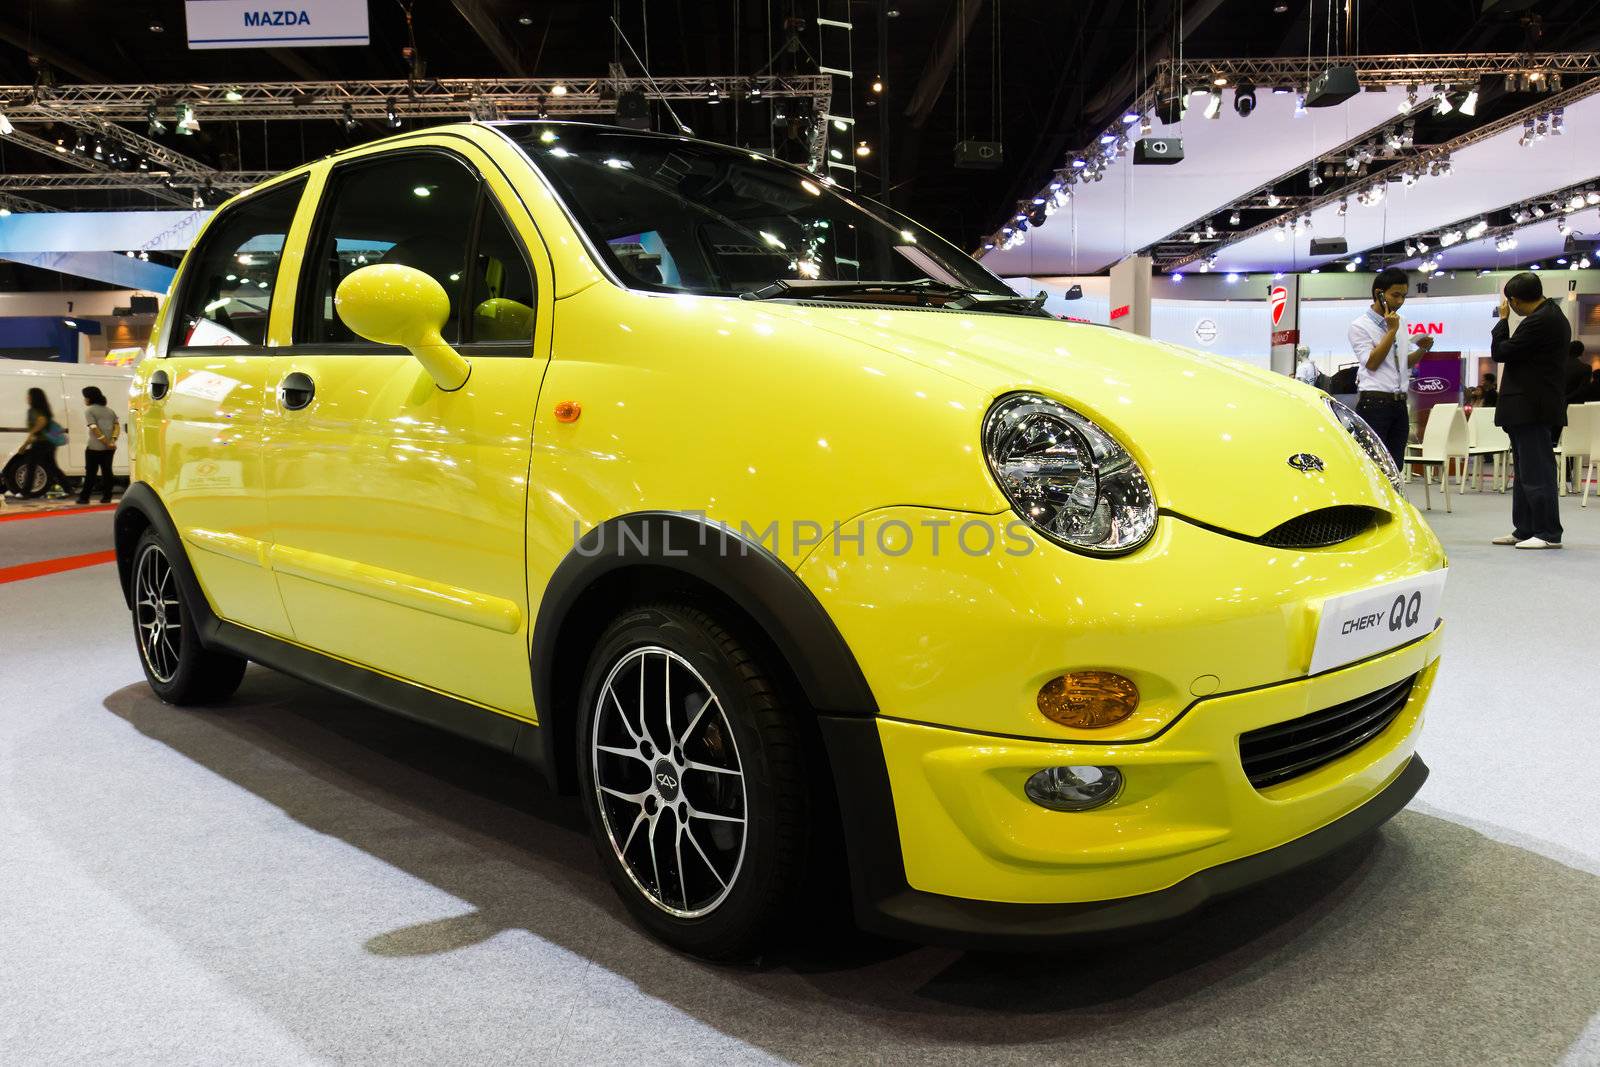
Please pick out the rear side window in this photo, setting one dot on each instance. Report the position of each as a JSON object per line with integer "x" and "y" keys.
{"x": 233, "y": 272}
{"x": 413, "y": 209}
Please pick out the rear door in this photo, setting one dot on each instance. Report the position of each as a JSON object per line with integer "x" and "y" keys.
{"x": 201, "y": 448}
{"x": 399, "y": 510}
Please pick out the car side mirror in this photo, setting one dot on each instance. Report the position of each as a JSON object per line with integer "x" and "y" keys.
{"x": 397, "y": 305}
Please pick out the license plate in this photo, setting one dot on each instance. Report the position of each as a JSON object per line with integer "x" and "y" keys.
{"x": 1361, "y": 624}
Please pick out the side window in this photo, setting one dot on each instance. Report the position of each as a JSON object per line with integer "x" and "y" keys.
{"x": 228, "y": 286}
{"x": 501, "y": 295}
{"x": 415, "y": 209}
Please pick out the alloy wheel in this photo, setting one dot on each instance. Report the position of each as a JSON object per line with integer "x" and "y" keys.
{"x": 158, "y": 614}
{"x": 668, "y": 782}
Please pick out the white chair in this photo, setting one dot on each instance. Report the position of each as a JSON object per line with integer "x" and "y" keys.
{"x": 1444, "y": 439}
{"x": 1589, "y": 445}
{"x": 1484, "y": 438}
{"x": 1575, "y": 442}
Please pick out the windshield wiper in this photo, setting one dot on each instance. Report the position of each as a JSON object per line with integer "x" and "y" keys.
{"x": 829, "y": 287}
{"x": 958, "y": 297}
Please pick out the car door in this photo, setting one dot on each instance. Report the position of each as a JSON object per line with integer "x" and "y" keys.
{"x": 203, "y": 403}
{"x": 398, "y": 509}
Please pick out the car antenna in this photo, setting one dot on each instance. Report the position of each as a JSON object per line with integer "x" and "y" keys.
{"x": 676, "y": 121}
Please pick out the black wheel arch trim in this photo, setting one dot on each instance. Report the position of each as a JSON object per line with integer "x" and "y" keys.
{"x": 740, "y": 569}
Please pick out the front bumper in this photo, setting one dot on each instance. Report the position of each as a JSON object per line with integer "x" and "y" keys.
{"x": 945, "y": 847}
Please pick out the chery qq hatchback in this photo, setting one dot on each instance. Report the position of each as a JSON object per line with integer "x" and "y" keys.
{"x": 779, "y": 531}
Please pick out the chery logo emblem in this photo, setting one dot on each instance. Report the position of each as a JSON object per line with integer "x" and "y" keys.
{"x": 667, "y": 780}
{"x": 1305, "y": 461}
{"x": 1430, "y": 385}
{"x": 1280, "y": 300}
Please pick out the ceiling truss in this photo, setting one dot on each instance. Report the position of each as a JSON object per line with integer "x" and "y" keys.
{"x": 1442, "y": 151}
{"x": 445, "y": 98}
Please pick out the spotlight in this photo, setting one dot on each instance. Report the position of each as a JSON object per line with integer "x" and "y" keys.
{"x": 348, "y": 118}
{"x": 99, "y": 149}
{"x": 1273, "y": 199}
{"x": 1469, "y": 106}
{"x": 1244, "y": 99}
{"x": 1233, "y": 219}
{"x": 81, "y": 145}
{"x": 1211, "y": 231}
{"x": 863, "y": 150}
{"x": 713, "y": 93}
{"x": 877, "y": 85}
{"x": 153, "y": 124}
{"x": 1411, "y": 249}
{"x": 1410, "y": 101}
{"x": 391, "y": 117}
{"x": 188, "y": 125}
{"x": 1443, "y": 107}
{"x": 1214, "y": 105}
{"x": 197, "y": 201}
{"x": 558, "y": 89}
{"x": 233, "y": 96}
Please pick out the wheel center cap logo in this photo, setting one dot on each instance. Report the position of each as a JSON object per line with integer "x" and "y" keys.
{"x": 666, "y": 781}
{"x": 1305, "y": 461}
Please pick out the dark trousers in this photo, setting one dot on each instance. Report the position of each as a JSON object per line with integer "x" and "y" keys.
{"x": 1534, "y": 508}
{"x": 1390, "y": 419}
{"x": 96, "y": 462}
{"x": 43, "y": 454}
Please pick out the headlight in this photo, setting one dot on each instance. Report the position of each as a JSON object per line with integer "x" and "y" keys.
{"x": 1067, "y": 477}
{"x": 1368, "y": 439}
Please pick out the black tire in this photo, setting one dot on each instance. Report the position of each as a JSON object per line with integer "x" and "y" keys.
{"x": 713, "y": 904}
{"x": 26, "y": 478}
{"x": 179, "y": 670}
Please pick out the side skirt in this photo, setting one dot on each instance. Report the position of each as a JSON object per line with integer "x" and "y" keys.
{"x": 471, "y": 721}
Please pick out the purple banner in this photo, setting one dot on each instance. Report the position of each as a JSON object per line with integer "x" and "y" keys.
{"x": 1436, "y": 380}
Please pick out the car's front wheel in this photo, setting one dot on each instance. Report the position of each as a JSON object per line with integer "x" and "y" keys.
{"x": 694, "y": 781}
{"x": 178, "y": 668}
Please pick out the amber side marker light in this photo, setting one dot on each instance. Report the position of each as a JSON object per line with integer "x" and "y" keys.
{"x": 568, "y": 411}
{"x": 1088, "y": 700}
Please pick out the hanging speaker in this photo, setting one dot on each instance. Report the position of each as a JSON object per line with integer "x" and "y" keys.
{"x": 633, "y": 110}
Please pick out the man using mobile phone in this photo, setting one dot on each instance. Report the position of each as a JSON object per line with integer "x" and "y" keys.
{"x": 1533, "y": 406}
{"x": 1384, "y": 358}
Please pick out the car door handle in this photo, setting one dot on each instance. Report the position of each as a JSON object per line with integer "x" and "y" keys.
{"x": 296, "y": 391}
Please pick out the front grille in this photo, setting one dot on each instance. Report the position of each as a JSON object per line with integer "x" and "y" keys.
{"x": 1286, "y": 750}
{"x": 1321, "y": 528}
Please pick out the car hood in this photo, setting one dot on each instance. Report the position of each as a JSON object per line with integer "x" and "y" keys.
{"x": 1214, "y": 435}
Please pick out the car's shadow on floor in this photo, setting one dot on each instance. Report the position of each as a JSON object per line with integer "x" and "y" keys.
{"x": 1427, "y": 940}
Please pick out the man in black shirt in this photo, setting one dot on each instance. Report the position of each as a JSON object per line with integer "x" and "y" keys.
{"x": 1532, "y": 407}
{"x": 1578, "y": 373}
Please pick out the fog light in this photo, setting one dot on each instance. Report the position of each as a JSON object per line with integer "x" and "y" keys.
{"x": 1074, "y": 788}
{"x": 1088, "y": 699}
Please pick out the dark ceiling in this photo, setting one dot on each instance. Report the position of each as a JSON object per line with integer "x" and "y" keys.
{"x": 1053, "y": 71}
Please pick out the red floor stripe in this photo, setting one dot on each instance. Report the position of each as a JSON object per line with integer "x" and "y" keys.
{"x": 54, "y": 566}
{"x": 57, "y": 511}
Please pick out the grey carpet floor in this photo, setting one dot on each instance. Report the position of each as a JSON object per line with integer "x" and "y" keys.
{"x": 294, "y": 878}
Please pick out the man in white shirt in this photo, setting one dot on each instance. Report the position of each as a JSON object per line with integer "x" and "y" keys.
{"x": 1384, "y": 358}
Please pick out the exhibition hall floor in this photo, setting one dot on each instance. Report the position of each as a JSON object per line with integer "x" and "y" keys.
{"x": 295, "y": 878}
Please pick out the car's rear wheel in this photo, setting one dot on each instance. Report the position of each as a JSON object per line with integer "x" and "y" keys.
{"x": 694, "y": 781}
{"x": 178, "y": 668}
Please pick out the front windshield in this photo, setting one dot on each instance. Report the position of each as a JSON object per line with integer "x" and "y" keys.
{"x": 673, "y": 214}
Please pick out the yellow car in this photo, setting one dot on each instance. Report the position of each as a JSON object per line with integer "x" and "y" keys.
{"x": 779, "y": 531}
